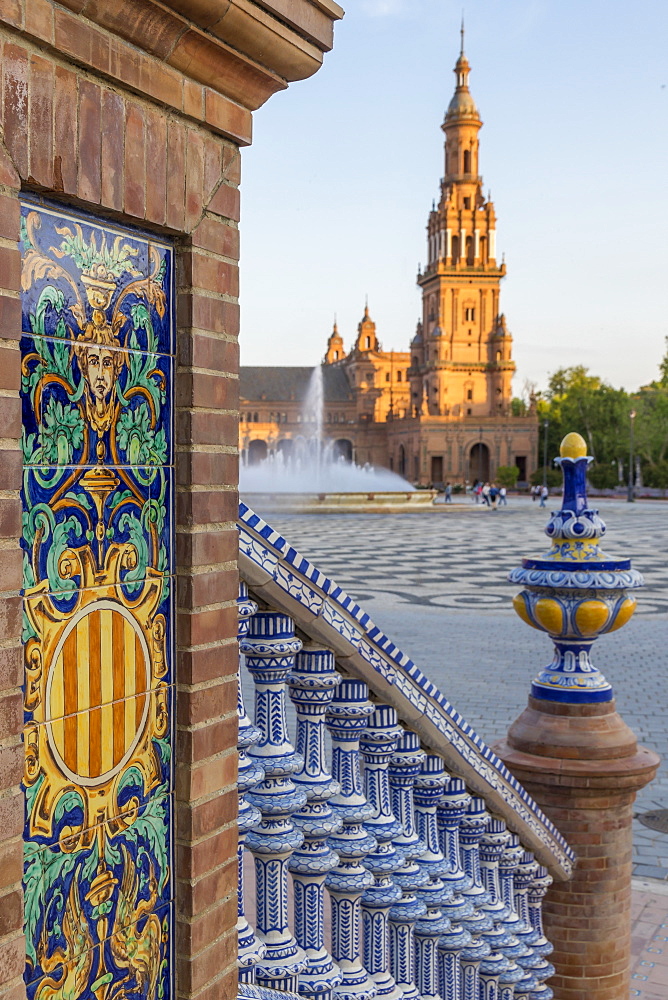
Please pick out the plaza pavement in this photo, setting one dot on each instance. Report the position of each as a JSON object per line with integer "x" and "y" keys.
{"x": 435, "y": 583}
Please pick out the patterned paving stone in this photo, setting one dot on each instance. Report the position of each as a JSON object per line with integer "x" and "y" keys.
{"x": 435, "y": 583}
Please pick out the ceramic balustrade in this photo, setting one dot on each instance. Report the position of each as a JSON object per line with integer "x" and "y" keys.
{"x": 377, "y": 744}
{"x": 250, "y": 773}
{"x": 431, "y": 898}
{"x": 270, "y": 648}
{"x": 312, "y": 684}
{"x": 346, "y": 720}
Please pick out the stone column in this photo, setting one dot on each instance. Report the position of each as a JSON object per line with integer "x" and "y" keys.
{"x": 570, "y": 748}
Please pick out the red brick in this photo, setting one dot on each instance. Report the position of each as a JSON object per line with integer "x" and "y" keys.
{"x": 11, "y": 569}
{"x": 206, "y": 548}
{"x": 195, "y": 666}
{"x": 11, "y": 862}
{"x": 213, "y": 353}
{"x": 209, "y": 507}
{"x": 195, "y": 934}
{"x": 11, "y": 470}
{"x": 213, "y": 392}
{"x": 65, "y": 131}
{"x": 11, "y": 813}
{"x": 228, "y": 118}
{"x": 10, "y": 628}
{"x": 205, "y": 468}
{"x": 11, "y": 766}
{"x": 12, "y": 962}
{"x": 213, "y": 165}
{"x": 209, "y": 890}
{"x": 196, "y": 628}
{"x": 216, "y": 236}
{"x": 11, "y": 912}
{"x": 41, "y": 121}
{"x": 11, "y": 706}
{"x": 11, "y": 12}
{"x": 39, "y": 19}
{"x": 10, "y": 221}
{"x": 193, "y": 99}
{"x": 199, "y": 427}
{"x": 135, "y": 162}
{"x": 10, "y": 510}
{"x": 11, "y": 669}
{"x": 10, "y": 357}
{"x": 206, "y": 313}
{"x": 194, "y": 179}
{"x": 210, "y": 703}
{"x": 8, "y": 174}
{"x": 195, "y": 973}
{"x": 195, "y": 781}
{"x": 213, "y": 274}
{"x": 15, "y": 98}
{"x": 226, "y": 202}
{"x": 113, "y": 160}
{"x": 210, "y": 587}
{"x": 90, "y": 142}
{"x": 232, "y": 164}
{"x": 176, "y": 165}
{"x": 10, "y": 274}
{"x": 198, "y": 744}
{"x": 156, "y": 189}
{"x": 10, "y": 416}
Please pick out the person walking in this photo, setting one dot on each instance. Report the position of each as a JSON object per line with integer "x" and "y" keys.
{"x": 448, "y": 493}
{"x": 493, "y": 495}
{"x": 502, "y": 497}
{"x": 544, "y": 492}
{"x": 485, "y": 494}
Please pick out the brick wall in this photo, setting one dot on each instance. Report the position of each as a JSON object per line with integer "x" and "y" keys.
{"x": 86, "y": 141}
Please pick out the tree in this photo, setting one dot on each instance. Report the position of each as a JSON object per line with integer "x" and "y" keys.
{"x": 507, "y": 475}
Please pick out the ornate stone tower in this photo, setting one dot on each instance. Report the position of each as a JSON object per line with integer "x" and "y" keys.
{"x": 462, "y": 361}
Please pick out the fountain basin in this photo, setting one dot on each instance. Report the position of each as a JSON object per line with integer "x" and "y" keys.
{"x": 372, "y": 501}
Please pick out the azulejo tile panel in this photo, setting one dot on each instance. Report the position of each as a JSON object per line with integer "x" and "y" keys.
{"x": 97, "y": 392}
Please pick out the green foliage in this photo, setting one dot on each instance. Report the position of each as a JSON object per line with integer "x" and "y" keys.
{"x": 143, "y": 445}
{"x": 507, "y": 475}
{"x": 101, "y": 262}
{"x": 553, "y": 478}
{"x": 518, "y": 407}
{"x": 657, "y": 475}
{"x": 603, "y": 477}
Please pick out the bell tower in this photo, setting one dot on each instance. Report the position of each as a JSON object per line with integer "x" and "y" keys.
{"x": 462, "y": 363}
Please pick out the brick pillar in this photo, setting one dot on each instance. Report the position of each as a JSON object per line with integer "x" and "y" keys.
{"x": 571, "y": 749}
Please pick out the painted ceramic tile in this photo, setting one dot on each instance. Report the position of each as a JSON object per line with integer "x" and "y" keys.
{"x": 97, "y": 389}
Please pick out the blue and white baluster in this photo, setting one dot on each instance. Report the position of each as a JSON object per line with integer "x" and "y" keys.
{"x": 479, "y": 923}
{"x": 516, "y": 949}
{"x": 377, "y": 744}
{"x": 429, "y": 787}
{"x": 249, "y": 949}
{"x": 404, "y": 768}
{"x": 524, "y": 875}
{"x": 270, "y": 649}
{"x": 492, "y": 844}
{"x": 346, "y": 720}
{"x": 312, "y": 684}
{"x": 450, "y": 812}
{"x": 541, "y": 946}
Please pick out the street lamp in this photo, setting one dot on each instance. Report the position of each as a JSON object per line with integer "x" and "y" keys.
{"x": 629, "y": 495}
{"x": 546, "y": 424}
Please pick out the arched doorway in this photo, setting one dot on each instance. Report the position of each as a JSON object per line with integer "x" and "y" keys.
{"x": 402, "y": 461}
{"x": 479, "y": 462}
{"x": 343, "y": 449}
{"x": 257, "y": 451}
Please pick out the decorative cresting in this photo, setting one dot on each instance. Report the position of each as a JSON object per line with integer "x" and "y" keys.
{"x": 97, "y": 359}
{"x": 347, "y": 719}
{"x": 249, "y": 949}
{"x": 312, "y": 684}
{"x": 270, "y": 649}
{"x": 575, "y": 592}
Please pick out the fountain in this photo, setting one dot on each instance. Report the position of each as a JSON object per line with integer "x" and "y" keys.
{"x": 312, "y": 475}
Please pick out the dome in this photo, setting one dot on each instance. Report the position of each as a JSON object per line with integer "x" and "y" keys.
{"x": 462, "y": 105}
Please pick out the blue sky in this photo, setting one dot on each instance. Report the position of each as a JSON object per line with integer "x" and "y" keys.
{"x": 344, "y": 167}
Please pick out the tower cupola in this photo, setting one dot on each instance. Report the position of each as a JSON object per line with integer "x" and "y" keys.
{"x": 366, "y": 333}
{"x": 335, "y": 350}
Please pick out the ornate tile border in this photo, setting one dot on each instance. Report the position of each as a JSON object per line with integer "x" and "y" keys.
{"x": 278, "y": 574}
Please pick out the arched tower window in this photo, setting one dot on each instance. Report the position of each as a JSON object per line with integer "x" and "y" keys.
{"x": 483, "y": 249}
{"x": 455, "y": 248}
{"x": 467, "y": 161}
{"x": 367, "y": 342}
{"x": 469, "y": 250}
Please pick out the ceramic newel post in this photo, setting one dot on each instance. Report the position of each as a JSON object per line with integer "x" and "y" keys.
{"x": 572, "y": 751}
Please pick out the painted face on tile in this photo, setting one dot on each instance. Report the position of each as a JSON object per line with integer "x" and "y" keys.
{"x": 100, "y": 372}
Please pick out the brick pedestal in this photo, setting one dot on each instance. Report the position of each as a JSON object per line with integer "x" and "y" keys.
{"x": 582, "y": 764}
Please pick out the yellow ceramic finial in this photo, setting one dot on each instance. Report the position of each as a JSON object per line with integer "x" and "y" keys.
{"x": 573, "y": 446}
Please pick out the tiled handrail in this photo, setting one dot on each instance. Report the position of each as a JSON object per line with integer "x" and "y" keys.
{"x": 280, "y": 577}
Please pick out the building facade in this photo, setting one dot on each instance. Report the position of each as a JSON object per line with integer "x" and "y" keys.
{"x": 441, "y": 410}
